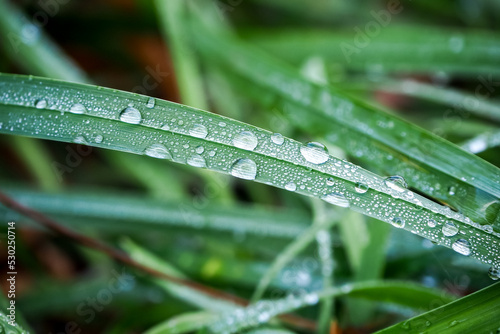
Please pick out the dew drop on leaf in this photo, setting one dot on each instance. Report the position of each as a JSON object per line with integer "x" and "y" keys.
{"x": 196, "y": 160}
{"x": 198, "y": 131}
{"x": 244, "y": 169}
{"x": 98, "y": 139}
{"x": 361, "y": 188}
{"x": 396, "y": 182}
{"x": 337, "y": 199}
{"x": 449, "y": 229}
{"x": 451, "y": 191}
{"x": 245, "y": 140}
{"x": 199, "y": 149}
{"x": 494, "y": 273}
{"x": 151, "y": 103}
{"x": 277, "y": 138}
{"x": 431, "y": 223}
{"x": 80, "y": 140}
{"x": 158, "y": 151}
{"x": 330, "y": 181}
{"x": 461, "y": 246}
{"x": 77, "y": 108}
{"x": 290, "y": 186}
{"x": 315, "y": 153}
{"x": 41, "y": 104}
{"x": 398, "y": 222}
{"x": 130, "y": 115}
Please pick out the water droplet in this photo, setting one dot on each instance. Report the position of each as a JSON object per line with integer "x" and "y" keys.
{"x": 151, "y": 103}
{"x": 396, "y": 182}
{"x": 212, "y": 153}
{"x": 41, "y": 104}
{"x": 77, "y": 108}
{"x": 456, "y": 44}
{"x": 277, "y": 138}
{"x": 330, "y": 181}
{"x": 158, "y": 151}
{"x": 166, "y": 127}
{"x": 198, "y": 131}
{"x": 431, "y": 223}
{"x": 451, "y": 191}
{"x": 449, "y": 229}
{"x": 80, "y": 140}
{"x": 337, "y": 199}
{"x": 130, "y": 115}
{"x": 245, "y": 140}
{"x": 222, "y": 124}
{"x": 244, "y": 169}
{"x": 290, "y": 186}
{"x": 98, "y": 139}
{"x": 398, "y": 222}
{"x": 196, "y": 161}
{"x": 199, "y": 149}
{"x": 461, "y": 246}
{"x": 311, "y": 298}
{"x": 494, "y": 273}
{"x": 315, "y": 153}
{"x": 361, "y": 188}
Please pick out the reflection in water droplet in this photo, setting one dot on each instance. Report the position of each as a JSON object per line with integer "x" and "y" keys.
{"x": 461, "y": 246}
{"x": 431, "y": 223}
{"x": 41, "y": 104}
{"x": 245, "y": 140}
{"x": 315, "y": 153}
{"x": 277, "y": 138}
{"x": 361, "y": 188}
{"x": 130, "y": 115}
{"x": 244, "y": 169}
{"x": 199, "y": 149}
{"x": 77, "y": 108}
{"x": 396, "y": 182}
{"x": 398, "y": 222}
{"x": 337, "y": 199}
{"x": 290, "y": 186}
{"x": 98, "y": 139}
{"x": 330, "y": 181}
{"x": 196, "y": 161}
{"x": 151, "y": 103}
{"x": 158, "y": 151}
{"x": 494, "y": 273}
{"x": 449, "y": 229}
{"x": 199, "y": 131}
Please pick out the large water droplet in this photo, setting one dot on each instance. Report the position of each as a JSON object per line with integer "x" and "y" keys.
{"x": 199, "y": 131}
{"x": 361, "y": 188}
{"x": 151, "y": 103}
{"x": 431, "y": 223}
{"x": 158, "y": 151}
{"x": 98, "y": 139}
{"x": 337, "y": 199}
{"x": 245, "y": 140}
{"x": 244, "y": 169}
{"x": 41, "y": 104}
{"x": 330, "y": 181}
{"x": 398, "y": 222}
{"x": 315, "y": 153}
{"x": 130, "y": 115}
{"x": 277, "y": 138}
{"x": 449, "y": 229}
{"x": 196, "y": 160}
{"x": 396, "y": 182}
{"x": 81, "y": 140}
{"x": 77, "y": 108}
{"x": 199, "y": 149}
{"x": 461, "y": 246}
{"x": 290, "y": 186}
{"x": 494, "y": 273}
{"x": 451, "y": 190}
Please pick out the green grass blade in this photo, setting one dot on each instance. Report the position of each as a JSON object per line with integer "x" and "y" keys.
{"x": 475, "y": 313}
{"x": 184, "y": 323}
{"x": 482, "y": 142}
{"x": 430, "y": 163}
{"x": 123, "y": 121}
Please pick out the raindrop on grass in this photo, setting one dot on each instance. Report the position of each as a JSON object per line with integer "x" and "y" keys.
{"x": 398, "y": 222}
{"x": 451, "y": 191}
{"x": 277, "y": 138}
{"x": 494, "y": 273}
{"x": 158, "y": 151}
{"x": 98, "y": 139}
{"x": 198, "y": 131}
{"x": 361, "y": 188}
{"x": 396, "y": 182}
{"x": 41, "y": 104}
{"x": 290, "y": 186}
{"x": 431, "y": 223}
{"x": 315, "y": 153}
{"x": 330, "y": 181}
{"x": 449, "y": 229}
{"x": 77, "y": 108}
{"x": 337, "y": 199}
{"x": 199, "y": 149}
{"x": 196, "y": 161}
{"x": 245, "y": 140}
{"x": 130, "y": 115}
{"x": 461, "y": 246}
{"x": 80, "y": 140}
{"x": 151, "y": 103}
{"x": 165, "y": 127}
{"x": 244, "y": 169}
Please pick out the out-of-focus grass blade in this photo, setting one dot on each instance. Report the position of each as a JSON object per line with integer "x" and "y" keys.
{"x": 430, "y": 163}
{"x": 395, "y": 49}
{"x": 475, "y": 313}
{"x": 184, "y": 323}
{"x": 117, "y": 120}
{"x": 482, "y": 142}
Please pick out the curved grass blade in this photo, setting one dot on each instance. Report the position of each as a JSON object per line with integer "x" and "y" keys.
{"x": 431, "y": 164}
{"x": 184, "y": 323}
{"x": 406, "y": 294}
{"x": 475, "y": 313}
{"x": 69, "y": 112}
